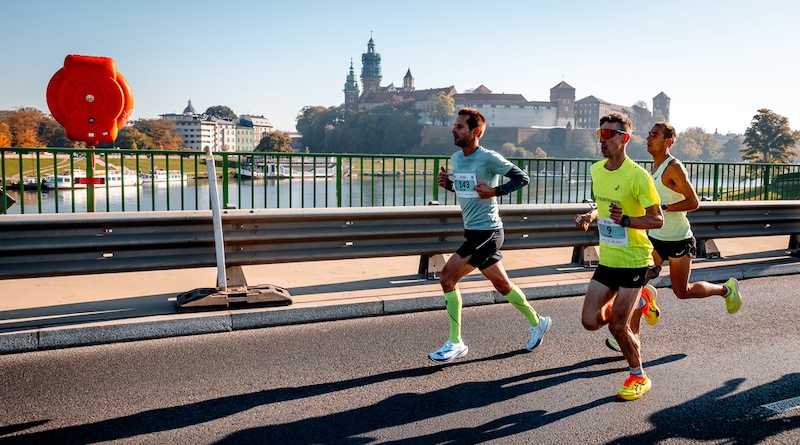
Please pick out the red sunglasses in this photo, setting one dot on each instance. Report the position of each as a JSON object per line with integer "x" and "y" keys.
{"x": 607, "y": 133}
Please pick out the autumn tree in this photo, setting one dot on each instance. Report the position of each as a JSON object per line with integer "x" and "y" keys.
{"x": 769, "y": 139}
{"x": 163, "y": 133}
{"x": 24, "y": 124}
{"x": 442, "y": 108}
{"x": 221, "y": 112}
{"x": 275, "y": 141}
{"x": 5, "y": 134}
{"x": 131, "y": 138}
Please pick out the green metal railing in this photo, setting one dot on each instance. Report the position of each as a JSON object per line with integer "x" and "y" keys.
{"x": 293, "y": 180}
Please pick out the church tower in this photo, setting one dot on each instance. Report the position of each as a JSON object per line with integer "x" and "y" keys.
{"x": 371, "y": 68}
{"x": 408, "y": 81}
{"x": 661, "y": 105}
{"x": 351, "y": 89}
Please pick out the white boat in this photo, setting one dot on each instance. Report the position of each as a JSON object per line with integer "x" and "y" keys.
{"x": 163, "y": 177}
{"x": 269, "y": 171}
{"x": 73, "y": 180}
{"x": 316, "y": 172}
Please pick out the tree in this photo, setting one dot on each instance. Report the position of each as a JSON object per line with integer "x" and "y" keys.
{"x": 163, "y": 133}
{"x": 311, "y": 122}
{"x": 275, "y": 141}
{"x": 5, "y": 134}
{"x": 695, "y": 144}
{"x": 637, "y": 148}
{"x": 52, "y": 134}
{"x": 24, "y": 124}
{"x": 769, "y": 139}
{"x": 731, "y": 150}
{"x": 133, "y": 139}
{"x": 221, "y": 112}
{"x": 443, "y": 108}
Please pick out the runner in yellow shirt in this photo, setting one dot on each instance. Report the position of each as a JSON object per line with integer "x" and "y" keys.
{"x": 627, "y": 205}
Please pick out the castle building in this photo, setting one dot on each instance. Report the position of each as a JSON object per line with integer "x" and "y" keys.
{"x": 589, "y": 110}
{"x": 501, "y": 110}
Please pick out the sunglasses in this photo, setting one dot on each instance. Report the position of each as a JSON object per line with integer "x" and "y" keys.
{"x": 606, "y": 133}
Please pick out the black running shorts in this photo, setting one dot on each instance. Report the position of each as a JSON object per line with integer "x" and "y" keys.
{"x": 616, "y": 277}
{"x": 483, "y": 245}
{"x": 675, "y": 249}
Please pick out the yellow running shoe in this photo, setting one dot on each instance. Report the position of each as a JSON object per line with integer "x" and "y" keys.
{"x": 634, "y": 387}
{"x": 733, "y": 302}
{"x": 650, "y": 310}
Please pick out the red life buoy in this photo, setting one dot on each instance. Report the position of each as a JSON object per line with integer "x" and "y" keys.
{"x": 90, "y": 99}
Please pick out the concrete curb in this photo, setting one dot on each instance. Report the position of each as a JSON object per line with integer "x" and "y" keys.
{"x": 162, "y": 326}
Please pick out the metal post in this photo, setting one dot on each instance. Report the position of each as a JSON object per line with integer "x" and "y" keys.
{"x": 216, "y": 216}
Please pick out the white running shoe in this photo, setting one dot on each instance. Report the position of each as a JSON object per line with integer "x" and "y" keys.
{"x": 449, "y": 352}
{"x": 537, "y": 332}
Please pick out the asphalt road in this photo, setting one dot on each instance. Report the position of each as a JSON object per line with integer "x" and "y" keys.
{"x": 716, "y": 378}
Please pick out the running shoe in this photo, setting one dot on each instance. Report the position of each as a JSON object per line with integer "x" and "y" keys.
{"x": 449, "y": 352}
{"x": 650, "y": 310}
{"x": 634, "y": 387}
{"x": 734, "y": 300}
{"x": 612, "y": 344}
{"x": 537, "y": 333}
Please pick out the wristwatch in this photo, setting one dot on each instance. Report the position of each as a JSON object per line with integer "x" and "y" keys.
{"x": 664, "y": 207}
{"x": 626, "y": 221}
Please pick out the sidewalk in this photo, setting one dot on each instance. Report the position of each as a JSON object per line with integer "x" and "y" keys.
{"x": 58, "y": 312}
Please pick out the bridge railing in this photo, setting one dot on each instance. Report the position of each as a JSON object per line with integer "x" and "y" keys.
{"x": 294, "y": 180}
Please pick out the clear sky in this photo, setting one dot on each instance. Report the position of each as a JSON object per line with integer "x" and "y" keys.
{"x": 719, "y": 62}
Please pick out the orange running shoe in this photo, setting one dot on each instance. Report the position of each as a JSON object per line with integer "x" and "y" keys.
{"x": 634, "y": 387}
{"x": 650, "y": 310}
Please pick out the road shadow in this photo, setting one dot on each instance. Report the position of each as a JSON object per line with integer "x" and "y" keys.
{"x": 339, "y": 427}
{"x": 88, "y": 312}
{"x": 719, "y": 416}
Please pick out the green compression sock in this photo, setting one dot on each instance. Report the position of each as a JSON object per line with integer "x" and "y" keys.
{"x": 518, "y": 300}
{"x": 453, "y": 302}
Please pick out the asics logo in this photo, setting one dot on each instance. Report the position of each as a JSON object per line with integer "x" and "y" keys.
{"x": 616, "y": 188}
{"x": 638, "y": 387}
{"x": 636, "y": 278}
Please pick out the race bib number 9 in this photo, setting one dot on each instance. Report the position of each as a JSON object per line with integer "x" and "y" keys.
{"x": 465, "y": 183}
{"x": 611, "y": 232}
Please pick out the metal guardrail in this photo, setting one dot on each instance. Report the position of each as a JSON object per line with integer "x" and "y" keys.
{"x": 70, "y": 244}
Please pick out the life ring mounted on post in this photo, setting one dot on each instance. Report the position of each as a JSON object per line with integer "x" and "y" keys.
{"x": 90, "y": 99}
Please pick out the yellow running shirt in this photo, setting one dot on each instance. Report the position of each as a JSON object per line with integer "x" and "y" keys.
{"x": 632, "y": 188}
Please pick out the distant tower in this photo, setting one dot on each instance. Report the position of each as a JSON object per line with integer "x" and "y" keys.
{"x": 408, "y": 81}
{"x": 564, "y": 96}
{"x": 661, "y": 105}
{"x": 351, "y": 89}
{"x": 371, "y": 68}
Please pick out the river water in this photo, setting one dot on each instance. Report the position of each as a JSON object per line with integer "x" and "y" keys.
{"x": 286, "y": 193}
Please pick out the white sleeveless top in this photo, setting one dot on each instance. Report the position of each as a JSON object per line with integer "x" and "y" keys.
{"x": 676, "y": 225}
